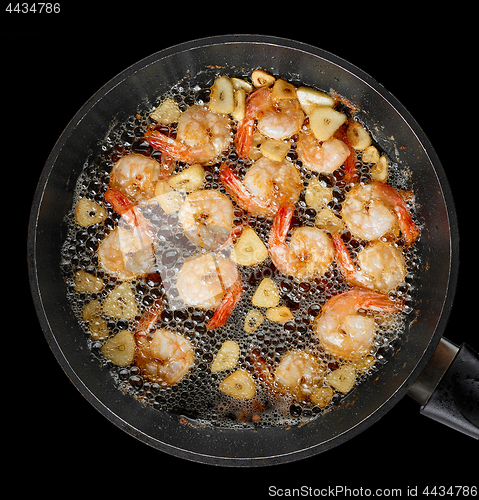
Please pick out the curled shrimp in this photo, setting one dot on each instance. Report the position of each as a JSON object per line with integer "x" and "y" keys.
{"x": 323, "y": 157}
{"x": 124, "y": 255}
{"x": 374, "y": 210}
{"x": 298, "y": 374}
{"x": 135, "y": 176}
{"x": 202, "y": 136}
{"x": 210, "y": 281}
{"x": 207, "y": 218}
{"x": 265, "y": 187}
{"x": 309, "y": 252}
{"x": 343, "y": 329}
{"x": 274, "y": 118}
{"x": 162, "y": 355}
{"x": 380, "y": 266}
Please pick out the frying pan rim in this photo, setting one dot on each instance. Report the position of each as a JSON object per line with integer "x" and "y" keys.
{"x": 357, "y": 73}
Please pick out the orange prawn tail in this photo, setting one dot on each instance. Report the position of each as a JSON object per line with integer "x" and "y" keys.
{"x": 358, "y": 298}
{"x": 148, "y": 320}
{"x": 277, "y": 249}
{"x": 145, "y": 325}
{"x": 225, "y": 309}
{"x": 244, "y": 133}
{"x": 167, "y": 145}
{"x": 351, "y": 173}
{"x": 373, "y": 301}
{"x": 391, "y": 195}
{"x": 346, "y": 264}
{"x": 244, "y": 137}
{"x": 281, "y": 224}
{"x": 123, "y": 206}
{"x": 342, "y": 255}
{"x": 234, "y": 186}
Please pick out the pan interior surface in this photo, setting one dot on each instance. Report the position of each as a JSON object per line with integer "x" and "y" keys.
{"x": 139, "y": 86}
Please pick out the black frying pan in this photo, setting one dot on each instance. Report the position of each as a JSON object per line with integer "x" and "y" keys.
{"x": 438, "y": 248}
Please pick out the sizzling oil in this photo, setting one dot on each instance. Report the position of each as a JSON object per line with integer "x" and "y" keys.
{"x": 196, "y": 396}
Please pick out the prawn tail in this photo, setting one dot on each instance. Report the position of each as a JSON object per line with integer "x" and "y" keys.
{"x": 234, "y": 186}
{"x": 262, "y": 371}
{"x": 346, "y": 264}
{"x": 123, "y": 206}
{"x": 147, "y": 322}
{"x": 342, "y": 255}
{"x": 244, "y": 133}
{"x": 225, "y": 309}
{"x": 277, "y": 248}
{"x": 167, "y": 145}
{"x": 244, "y": 137}
{"x": 351, "y": 174}
{"x": 373, "y": 301}
{"x": 408, "y": 227}
{"x": 281, "y": 224}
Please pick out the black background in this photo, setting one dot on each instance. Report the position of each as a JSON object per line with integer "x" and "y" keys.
{"x": 53, "y": 63}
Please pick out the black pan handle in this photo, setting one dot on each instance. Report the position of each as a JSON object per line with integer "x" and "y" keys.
{"x": 448, "y": 388}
